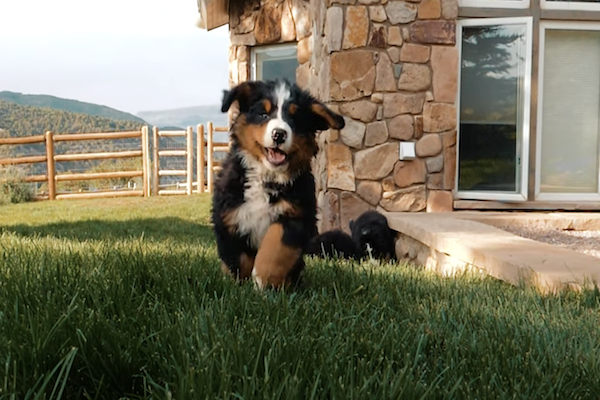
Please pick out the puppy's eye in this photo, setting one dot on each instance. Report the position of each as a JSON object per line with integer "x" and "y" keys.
{"x": 264, "y": 115}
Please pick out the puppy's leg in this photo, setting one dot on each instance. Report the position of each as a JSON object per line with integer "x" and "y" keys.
{"x": 277, "y": 257}
{"x": 240, "y": 270}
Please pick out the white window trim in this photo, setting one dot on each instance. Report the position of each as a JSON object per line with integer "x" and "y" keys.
{"x": 264, "y": 49}
{"x": 518, "y": 4}
{"x": 524, "y": 143}
{"x": 547, "y": 25}
{"x": 569, "y": 5}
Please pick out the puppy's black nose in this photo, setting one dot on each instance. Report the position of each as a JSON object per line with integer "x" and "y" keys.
{"x": 279, "y": 135}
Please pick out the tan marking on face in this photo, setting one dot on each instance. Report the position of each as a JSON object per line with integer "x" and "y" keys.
{"x": 274, "y": 260}
{"x": 301, "y": 153}
{"x": 250, "y": 137}
{"x": 267, "y": 105}
{"x": 322, "y": 111}
{"x": 293, "y": 108}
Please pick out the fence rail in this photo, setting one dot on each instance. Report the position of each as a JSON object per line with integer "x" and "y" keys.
{"x": 206, "y": 151}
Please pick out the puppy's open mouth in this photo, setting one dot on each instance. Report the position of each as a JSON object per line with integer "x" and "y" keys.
{"x": 275, "y": 156}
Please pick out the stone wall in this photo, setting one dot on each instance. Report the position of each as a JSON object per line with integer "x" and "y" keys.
{"x": 265, "y": 22}
{"x": 390, "y": 67}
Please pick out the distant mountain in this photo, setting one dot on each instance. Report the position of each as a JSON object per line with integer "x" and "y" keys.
{"x": 184, "y": 117}
{"x": 75, "y": 106}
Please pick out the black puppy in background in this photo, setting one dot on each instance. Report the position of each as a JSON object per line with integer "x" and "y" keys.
{"x": 373, "y": 236}
{"x": 333, "y": 244}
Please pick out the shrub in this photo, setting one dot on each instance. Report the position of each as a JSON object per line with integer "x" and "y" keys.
{"x": 13, "y": 188}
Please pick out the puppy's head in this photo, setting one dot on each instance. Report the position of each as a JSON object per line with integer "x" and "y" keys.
{"x": 277, "y": 123}
{"x": 372, "y": 233}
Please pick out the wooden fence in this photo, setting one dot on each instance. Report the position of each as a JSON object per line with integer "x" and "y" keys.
{"x": 52, "y": 177}
{"x": 188, "y": 153}
{"x": 210, "y": 147}
{"x": 150, "y": 172}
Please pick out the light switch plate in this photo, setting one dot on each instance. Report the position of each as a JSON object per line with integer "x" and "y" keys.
{"x": 407, "y": 151}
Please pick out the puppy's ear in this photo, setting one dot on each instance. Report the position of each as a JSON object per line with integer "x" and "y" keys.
{"x": 324, "y": 118}
{"x": 241, "y": 93}
{"x": 351, "y": 224}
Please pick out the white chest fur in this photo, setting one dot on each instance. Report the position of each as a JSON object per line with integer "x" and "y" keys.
{"x": 256, "y": 214}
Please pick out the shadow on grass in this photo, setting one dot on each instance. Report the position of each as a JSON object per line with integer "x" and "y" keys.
{"x": 155, "y": 229}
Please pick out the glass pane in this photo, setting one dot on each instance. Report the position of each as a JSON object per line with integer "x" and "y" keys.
{"x": 276, "y": 63}
{"x": 491, "y": 107}
{"x": 569, "y": 161}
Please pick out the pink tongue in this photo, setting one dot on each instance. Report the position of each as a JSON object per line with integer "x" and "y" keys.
{"x": 276, "y": 157}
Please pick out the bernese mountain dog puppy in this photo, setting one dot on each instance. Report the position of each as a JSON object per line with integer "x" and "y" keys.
{"x": 373, "y": 236}
{"x": 264, "y": 203}
{"x": 335, "y": 243}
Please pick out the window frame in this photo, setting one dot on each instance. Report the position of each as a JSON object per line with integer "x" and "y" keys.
{"x": 263, "y": 49}
{"x": 571, "y": 196}
{"x": 524, "y": 98}
{"x": 569, "y": 5}
{"x": 501, "y": 4}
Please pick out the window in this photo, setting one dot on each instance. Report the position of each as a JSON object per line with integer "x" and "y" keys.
{"x": 272, "y": 62}
{"x": 493, "y": 132}
{"x": 515, "y": 144}
{"x": 569, "y": 112}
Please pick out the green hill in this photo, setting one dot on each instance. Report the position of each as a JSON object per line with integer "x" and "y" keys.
{"x": 20, "y": 120}
{"x": 75, "y": 106}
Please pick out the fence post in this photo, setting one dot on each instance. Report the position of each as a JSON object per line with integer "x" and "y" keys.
{"x": 190, "y": 159}
{"x": 50, "y": 165}
{"x": 209, "y": 157}
{"x": 200, "y": 158}
{"x": 145, "y": 160}
{"x": 156, "y": 161}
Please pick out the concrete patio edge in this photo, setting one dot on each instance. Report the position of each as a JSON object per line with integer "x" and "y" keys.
{"x": 448, "y": 242}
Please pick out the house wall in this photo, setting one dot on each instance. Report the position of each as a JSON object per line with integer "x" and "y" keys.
{"x": 390, "y": 67}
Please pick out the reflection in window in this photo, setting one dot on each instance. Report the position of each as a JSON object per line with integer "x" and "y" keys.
{"x": 491, "y": 107}
{"x": 571, "y": 104}
{"x": 275, "y": 62}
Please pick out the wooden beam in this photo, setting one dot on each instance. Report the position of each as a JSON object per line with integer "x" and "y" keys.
{"x": 97, "y": 136}
{"x": 98, "y": 175}
{"x": 200, "y": 158}
{"x": 172, "y": 172}
{"x": 23, "y": 140}
{"x": 209, "y": 161}
{"x": 23, "y": 160}
{"x": 190, "y": 160}
{"x": 97, "y": 156}
{"x": 171, "y": 192}
{"x": 95, "y": 195}
{"x": 50, "y": 165}
{"x": 145, "y": 163}
{"x": 156, "y": 164}
{"x": 172, "y": 153}
{"x": 171, "y": 133}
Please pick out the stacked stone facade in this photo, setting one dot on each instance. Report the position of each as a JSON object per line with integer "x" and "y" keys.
{"x": 390, "y": 67}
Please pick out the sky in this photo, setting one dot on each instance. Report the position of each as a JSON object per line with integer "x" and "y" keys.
{"x": 132, "y": 55}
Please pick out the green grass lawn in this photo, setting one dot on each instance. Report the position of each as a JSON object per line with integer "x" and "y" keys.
{"x": 124, "y": 298}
